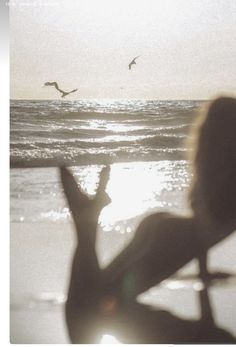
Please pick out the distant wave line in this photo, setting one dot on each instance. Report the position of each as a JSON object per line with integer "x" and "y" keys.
{"x": 120, "y": 156}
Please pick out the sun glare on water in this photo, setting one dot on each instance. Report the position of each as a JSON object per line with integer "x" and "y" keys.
{"x": 140, "y": 183}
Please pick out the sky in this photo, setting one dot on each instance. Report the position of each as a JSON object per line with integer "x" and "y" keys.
{"x": 187, "y": 48}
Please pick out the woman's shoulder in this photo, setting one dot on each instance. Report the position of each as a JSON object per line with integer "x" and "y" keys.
{"x": 167, "y": 226}
{"x": 166, "y": 235}
{"x": 174, "y": 229}
{"x": 167, "y": 218}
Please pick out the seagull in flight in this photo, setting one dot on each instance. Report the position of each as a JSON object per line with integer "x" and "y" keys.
{"x": 133, "y": 62}
{"x": 63, "y": 93}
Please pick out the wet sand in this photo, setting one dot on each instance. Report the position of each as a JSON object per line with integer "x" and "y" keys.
{"x": 40, "y": 263}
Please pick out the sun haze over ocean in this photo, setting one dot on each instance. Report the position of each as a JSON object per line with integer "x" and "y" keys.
{"x": 187, "y": 48}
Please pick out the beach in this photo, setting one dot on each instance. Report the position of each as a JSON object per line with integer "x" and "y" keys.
{"x": 145, "y": 144}
{"x": 41, "y": 253}
{"x": 40, "y": 263}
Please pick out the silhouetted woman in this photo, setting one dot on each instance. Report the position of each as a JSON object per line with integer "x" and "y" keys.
{"x": 104, "y": 300}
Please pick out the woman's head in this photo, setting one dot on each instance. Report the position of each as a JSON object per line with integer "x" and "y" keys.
{"x": 213, "y": 191}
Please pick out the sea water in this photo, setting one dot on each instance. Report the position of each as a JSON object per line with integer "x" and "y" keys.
{"x": 145, "y": 143}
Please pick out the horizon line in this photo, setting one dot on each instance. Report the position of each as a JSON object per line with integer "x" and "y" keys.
{"x": 102, "y": 99}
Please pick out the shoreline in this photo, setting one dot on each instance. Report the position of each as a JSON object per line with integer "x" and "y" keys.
{"x": 55, "y": 164}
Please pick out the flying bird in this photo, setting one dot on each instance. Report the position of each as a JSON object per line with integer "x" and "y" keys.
{"x": 63, "y": 93}
{"x": 133, "y": 62}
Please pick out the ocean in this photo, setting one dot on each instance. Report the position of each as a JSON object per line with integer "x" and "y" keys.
{"x": 48, "y": 133}
{"x": 146, "y": 145}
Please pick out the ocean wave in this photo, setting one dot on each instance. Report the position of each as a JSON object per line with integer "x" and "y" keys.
{"x": 125, "y": 154}
{"x": 149, "y": 141}
{"x": 50, "y": 132}
{"x": 89, "y": 133}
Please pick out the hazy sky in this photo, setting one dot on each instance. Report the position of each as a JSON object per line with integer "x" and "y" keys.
{"x": 187, "y": 48}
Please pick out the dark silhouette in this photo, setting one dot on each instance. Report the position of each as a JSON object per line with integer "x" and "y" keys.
{"x": 102, "y": 301}
{"x": 63, "y": 93}
{"x": 133, "y": 62}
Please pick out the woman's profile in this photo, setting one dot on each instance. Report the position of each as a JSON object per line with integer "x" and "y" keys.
{"x": 105, "y": 299}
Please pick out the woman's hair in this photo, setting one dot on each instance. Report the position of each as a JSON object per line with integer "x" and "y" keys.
{"x": 213, "y": 192}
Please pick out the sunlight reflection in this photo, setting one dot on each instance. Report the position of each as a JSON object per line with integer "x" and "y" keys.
{"x": 172, "y": 284}
{"x": 196, "y": 285}
{"x": 118, "y": 128}
{"x": 56, "y": 215}
{"x": 140, "y": 184}
{"x": 114, "y": 138}
{"x": 109, "y": 339}
{"x": 145, "y": 185}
